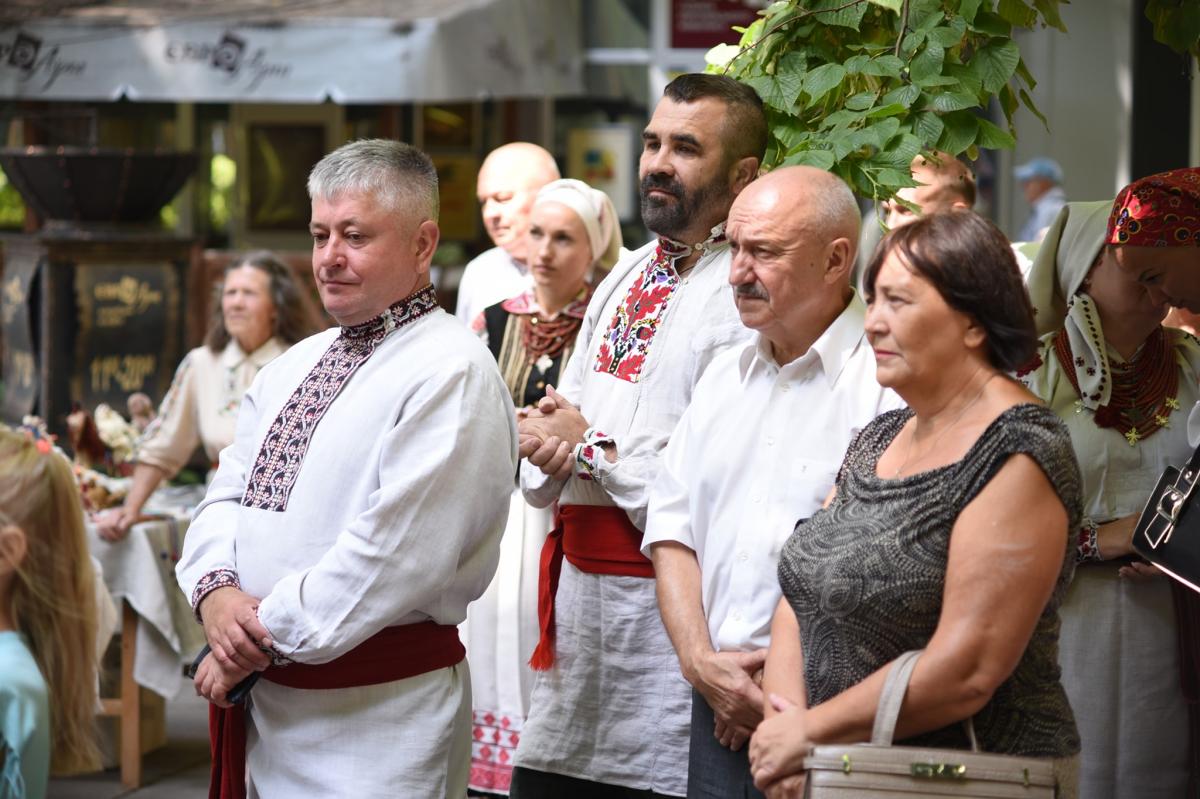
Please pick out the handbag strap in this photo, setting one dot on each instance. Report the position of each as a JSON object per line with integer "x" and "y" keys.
{"x": 895, "y": 685}
{"x": 891, "y": 697}
{"x": 1193, "y": 464}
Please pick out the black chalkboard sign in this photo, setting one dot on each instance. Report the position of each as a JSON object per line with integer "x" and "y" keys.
{"x": 20, "y": 362}
{"x": 128, "y": 314}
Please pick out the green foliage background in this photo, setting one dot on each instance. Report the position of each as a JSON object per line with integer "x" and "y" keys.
{"x": 860, "y": 87}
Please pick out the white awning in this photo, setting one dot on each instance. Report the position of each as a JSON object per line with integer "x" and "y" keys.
{"x": 498, "y": 48}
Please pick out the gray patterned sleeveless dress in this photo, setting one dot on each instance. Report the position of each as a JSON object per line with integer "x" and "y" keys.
{"x": 865, "y": 577}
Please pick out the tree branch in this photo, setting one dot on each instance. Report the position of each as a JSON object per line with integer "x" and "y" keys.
{"x": 903, "y": 27}
{"x": 776, "y": 28}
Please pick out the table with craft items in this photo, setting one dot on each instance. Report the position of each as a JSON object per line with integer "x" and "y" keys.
{"x": 159, "y": 633}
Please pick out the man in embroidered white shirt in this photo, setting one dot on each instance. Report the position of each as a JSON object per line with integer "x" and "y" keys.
{"x": 508, "y": 182}
{"x": 610, "y": 712}
{"x": 757, "y": 450}
{"x": 357, "y": 513}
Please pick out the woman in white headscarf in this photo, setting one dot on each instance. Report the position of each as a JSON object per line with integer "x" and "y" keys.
{"x": 573, "y": 234}
{"x": 1124, "y": 385}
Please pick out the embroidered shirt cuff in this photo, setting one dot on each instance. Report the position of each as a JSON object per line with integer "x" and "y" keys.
{"x": 277, "y": 657}
{"x": 589, "y": 454}
{"x": 1087, "y": 547}
{"x": 218, "y": 578}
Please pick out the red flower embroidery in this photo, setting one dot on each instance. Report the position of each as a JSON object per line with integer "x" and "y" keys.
{"x": 627, "y": 341}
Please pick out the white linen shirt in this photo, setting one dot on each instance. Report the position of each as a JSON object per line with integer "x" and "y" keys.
{"x": 388, "y": 522}
{"x": 394, "y": 518}
{"x": 701, "y": 321}
{"x": 491, "y": 277}
{"x": 758, "y": 449}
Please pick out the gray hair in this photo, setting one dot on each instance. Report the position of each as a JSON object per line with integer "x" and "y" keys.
{"x": 399, "y": 176}
{"x": 833, "y": 208}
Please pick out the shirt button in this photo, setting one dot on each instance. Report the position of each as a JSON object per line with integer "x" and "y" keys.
{"x": 786, "y": 387}
{"x": 757, "y": 500}
{"x": 736, "y": 616}
{"x": 770, "y": 442}
{"x": 743, "y": 556}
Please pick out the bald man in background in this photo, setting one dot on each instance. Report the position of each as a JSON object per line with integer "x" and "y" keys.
{"x": 508, "y": 182}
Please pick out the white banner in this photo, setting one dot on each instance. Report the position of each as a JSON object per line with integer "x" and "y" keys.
{"x": 506, "y": 48}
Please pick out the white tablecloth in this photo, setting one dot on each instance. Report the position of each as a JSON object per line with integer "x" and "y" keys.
{"x": 140, "y": 569}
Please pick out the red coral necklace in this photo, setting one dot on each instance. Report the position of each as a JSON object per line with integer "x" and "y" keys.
{"x": 1144, "y": 389}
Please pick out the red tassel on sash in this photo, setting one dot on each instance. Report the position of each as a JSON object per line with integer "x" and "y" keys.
{"x": 596, "y": 539}
{"x": 394, "y": 653}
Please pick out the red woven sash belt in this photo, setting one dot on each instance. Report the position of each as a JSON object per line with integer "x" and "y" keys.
{"x": 394, "y": 653}
{"x": 597, "y": 539}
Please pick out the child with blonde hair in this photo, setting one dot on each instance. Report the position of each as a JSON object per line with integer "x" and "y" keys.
{"x": 47, "y": 620}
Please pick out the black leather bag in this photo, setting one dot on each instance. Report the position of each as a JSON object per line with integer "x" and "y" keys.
{"x": 1168, "y": 531}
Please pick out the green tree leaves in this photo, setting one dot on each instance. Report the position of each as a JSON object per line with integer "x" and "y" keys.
{"x": 1176, "y": 24}
{"x": 860, "y": 87}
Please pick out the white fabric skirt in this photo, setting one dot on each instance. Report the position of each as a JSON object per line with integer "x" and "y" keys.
{"x": 410, "y": 737}
{"x": 500, "y": 634}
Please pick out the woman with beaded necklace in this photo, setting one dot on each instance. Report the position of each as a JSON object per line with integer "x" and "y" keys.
{"x": 573, "y": 230}
{"x": 1118, "y": 379}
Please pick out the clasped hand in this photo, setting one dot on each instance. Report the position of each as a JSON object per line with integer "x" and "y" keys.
{"x": 727, "y": 682}
{"x": 549, "y": 432}
{"x": 236, "y": 638}
{"x": 777, "y": 751}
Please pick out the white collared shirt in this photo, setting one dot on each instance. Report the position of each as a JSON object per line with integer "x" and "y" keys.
{"x": 758, "y": 449}
{"x": 491, "y": 277}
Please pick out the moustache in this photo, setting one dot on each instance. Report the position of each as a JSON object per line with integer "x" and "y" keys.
{"x": 661, "y": 183}
{"x": 754, "y": 291}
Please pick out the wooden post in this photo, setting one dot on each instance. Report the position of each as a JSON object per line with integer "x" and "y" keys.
{"x": 127, "y": 707}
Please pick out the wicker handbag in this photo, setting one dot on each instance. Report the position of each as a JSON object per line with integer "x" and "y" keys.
{"x": 879, "y": 770}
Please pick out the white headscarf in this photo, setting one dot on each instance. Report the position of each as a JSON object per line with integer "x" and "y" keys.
{"x": 1062, "y": 263}
{"x": 594, "y": 209}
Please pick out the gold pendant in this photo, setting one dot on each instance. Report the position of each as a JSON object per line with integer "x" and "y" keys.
{"x": 1163, "y": 421}
{"x": 1172, "y": 403}
{"x": 1132, "y": 436}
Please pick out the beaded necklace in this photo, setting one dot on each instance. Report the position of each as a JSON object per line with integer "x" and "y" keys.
{"x": 547, "y": 337}
{"x": 1144, "y": 389}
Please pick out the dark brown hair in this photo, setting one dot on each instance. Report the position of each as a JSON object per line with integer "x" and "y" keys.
{"x": 745, "y": 127}
{"x": 972, "y": 266}
{"x": 293, "y": 317}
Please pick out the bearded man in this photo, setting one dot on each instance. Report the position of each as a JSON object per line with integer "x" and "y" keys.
{"x": 610, "y": 712}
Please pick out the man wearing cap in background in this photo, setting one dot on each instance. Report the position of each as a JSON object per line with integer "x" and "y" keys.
{"x": 1041, "y": 181}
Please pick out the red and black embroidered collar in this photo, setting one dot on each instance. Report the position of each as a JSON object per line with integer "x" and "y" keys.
{"x": 401, "y": 313}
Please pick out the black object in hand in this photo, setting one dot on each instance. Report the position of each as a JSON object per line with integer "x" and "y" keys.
{"x": 239, "y": 692}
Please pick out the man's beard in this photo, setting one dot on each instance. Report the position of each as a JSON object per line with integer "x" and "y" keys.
{"x": 671, "y": 219}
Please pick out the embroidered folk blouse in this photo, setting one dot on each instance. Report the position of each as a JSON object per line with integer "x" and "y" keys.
{"x": 201, "y": 406}
{"x": 367, "y": 485}
{"x": 647, "y": 338}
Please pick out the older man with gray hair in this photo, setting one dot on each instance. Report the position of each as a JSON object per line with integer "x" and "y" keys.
{"x": 357, "y": 513}
{"x": 780, "y": 411}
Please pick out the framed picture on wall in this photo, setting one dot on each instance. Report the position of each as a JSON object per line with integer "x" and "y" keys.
{"x": 274, "y": 148}
{"x": 280, "y": 158}
{"x": 605, "y": 157}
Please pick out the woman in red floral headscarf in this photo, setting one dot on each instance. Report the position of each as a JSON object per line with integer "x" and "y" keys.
{"x": 1124, "y": 385}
